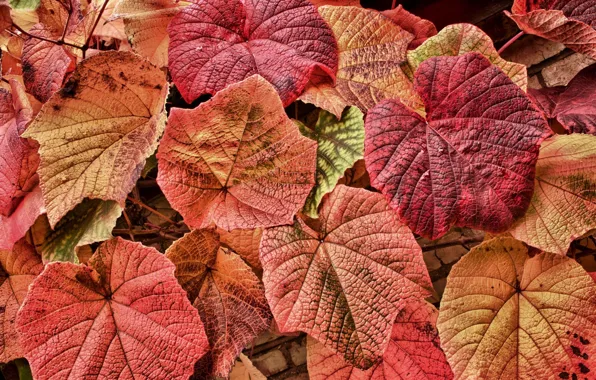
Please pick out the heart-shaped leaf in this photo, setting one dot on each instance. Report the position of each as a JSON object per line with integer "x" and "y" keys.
{"x": 339, "y": 145}
{"x": 214, "y": 43}
{"x": 563, "y": 206}
{"x": 459, "y": 39}
{"x": 229, "y": 296}
{"x": 371, "y": 49}
{"x": 571, "y": 22}
{"x": 413, "y": 352}
{"x": 345, "y": 283}
{"x": 236, "y": 160}
{"x": 122, "y": 316}
{"x": 18, "y": 267}
{"x": 96, "y": 133}
{"x": 505, "y": 315}
{"x": 471, "y": 162}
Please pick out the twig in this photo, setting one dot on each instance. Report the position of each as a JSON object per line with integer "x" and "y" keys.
{"x": 393, "y": 4}
{"x": 139, "y": 203}
{"x": 129, "y": 225}
{"x": 23, "y": 31}
{"x": 510, "y": 42}
{"x": 103, "y": 8}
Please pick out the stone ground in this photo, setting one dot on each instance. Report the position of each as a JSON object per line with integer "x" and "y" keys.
{"x": 549, "y": 64}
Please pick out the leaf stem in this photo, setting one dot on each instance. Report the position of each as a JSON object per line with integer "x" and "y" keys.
{"x": 23, "y": 369}
{"x": 103, "y": 8}
{"x": 139, "y": 203}
{"x": 23, "y": 31}
{"x": 393, "y": 4}
{"x": 510, "y": 42}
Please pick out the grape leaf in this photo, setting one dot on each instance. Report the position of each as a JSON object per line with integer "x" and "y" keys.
{"x": 214, "y": 43}
{"x": 18, "y": 156}
{"x": 345, "y": 283}
{"x": 18, "y": 267}
{"x": 146, "y": 25}
{"x": 96, "y": 133}
{"x": 236, "y": 160}
{"x": 572, "y": 106}
{"x": 339, "y": 145}
{"x": 563, "y": 207}
{"x": 122, "y": 316}
{"x": 505, "y": 315}
{"x": 90, "y": 221}
{"x": 413, "y": 352}
{"x": 471, "y": 162}
{"x": 15, "y": 226}
{"x": 246, "y": 244}
{"x": 229, "y": 296}
{"x": 459, "y": 39}
{"x": 420, "y": 28}
{"x": 571, "y": 22}
{"x": 371, "y": 49}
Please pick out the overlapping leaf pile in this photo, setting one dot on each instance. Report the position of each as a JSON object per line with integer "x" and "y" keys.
{"x": 306, "y": 224}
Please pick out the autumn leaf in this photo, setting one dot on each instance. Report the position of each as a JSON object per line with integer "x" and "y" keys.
{"x": 572, "y": 106}
{"x": 459, "y": 39}
{"x": 96, "y": 133}
{"x": 371, "y": 49}
{"x": 570, "y": 22}
{"x": 471, "y": 162}
{"x": 229, "y": 296}
{"x": 413, "y": 352}
{"x": 99, "y": 320}
{"x": 505, "y": 315}
{"x": 146, "y": 25}
{"x": 236, "y": 160}
{"x": 246, "y": 244}
{"x": 320, "y": 3}
{"x": 214, "y": 43}
{"x": 563, "y": 207}
{"x": 90, "y": 221}
{"x": 18, "y": 156}
{"x": 344, "y": 284}
{"x": 420, "y": 28}
{"x": 339, "y": 145}
{"x": 18, "y": 267}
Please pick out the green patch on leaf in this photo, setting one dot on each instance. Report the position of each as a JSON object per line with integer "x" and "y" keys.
{"x": 340, "y": 145}
{"x": 24, "y": 4}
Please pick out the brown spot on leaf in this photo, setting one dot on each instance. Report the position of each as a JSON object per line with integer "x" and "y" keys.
{"x": 583, "y": 368}
{"x": 564, "y": 375}
{"x": 576, "y": 351}
{"x": 583, "y": 340}
{"x": 70, "y": 88}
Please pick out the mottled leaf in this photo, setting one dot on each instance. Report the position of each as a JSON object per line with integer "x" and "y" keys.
{"x": 246, "y": 244}
{"x": 459, "y": 39}
{"x": 146, "y": 25}
{"x": 573, "y": 106}
{"x": 18, "y": 268}
{"x": 505, "y": 315}
{"x": 218, "y": 42}
{"x": 339, "y": 145}
{"x": 371, "y": 49}
{"x": 96, "y": 133}
{"x": 344, "y": 284}
{"x": 15, "y": 226}
{"x": 124, "y": 316}
{"x": 471, "y": 162}
{"x": 18, "y": 156}
{"x": 229, "y": 296}
{"x": 236, "y": 160}
{"x": 90, "y": 221}
{"x": 563, "y": 207}
{"x": 413, "y": 352}
{"x": 420, "y": 28}
{"x": 570, "y": 22}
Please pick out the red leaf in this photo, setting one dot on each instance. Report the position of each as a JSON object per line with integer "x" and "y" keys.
{"x": 236, "y": 160}
{"x": 15, "y": 226}
{"x": 419, "y": 27}
{"x": 124, "y": 316}
{"x": 345, "y": 283}
{"x": 229, "y": 296}
{"x": 573, "y": 106}
{"x": 413, "y": 353}
{"x": 18, "y": 156}
{"x": 571, "y": 22}
{"x": 471, "y": 162}
{"x": 214, "y": 43}
{"x": 18, "y": 267}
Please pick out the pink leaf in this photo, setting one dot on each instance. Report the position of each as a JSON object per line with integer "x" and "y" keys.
{"x": 471, "y": 162}
{"x": 419, "y": 27}
{"x": 214, "y": 43}
{"x": 124, "y": 316}
{"x": 15, "y": 226}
